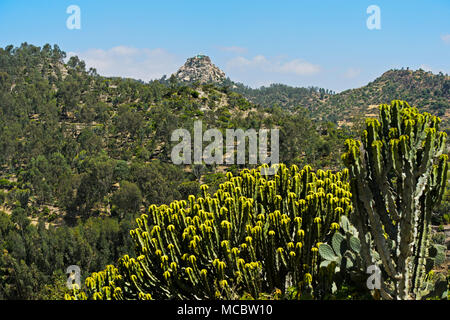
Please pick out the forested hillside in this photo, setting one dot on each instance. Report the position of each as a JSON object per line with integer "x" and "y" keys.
{"x": 283, "y": 95}
{"x": 429, "y": 92}
{"x": 81, "y": 155}
{"x": 301, "y": 233}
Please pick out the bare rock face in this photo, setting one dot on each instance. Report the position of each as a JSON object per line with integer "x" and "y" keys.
{"x": 201, "y": 69}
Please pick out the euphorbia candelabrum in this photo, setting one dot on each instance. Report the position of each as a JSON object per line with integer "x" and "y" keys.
{"x": 254, "y": 235}
{"x": 397, "y": 176}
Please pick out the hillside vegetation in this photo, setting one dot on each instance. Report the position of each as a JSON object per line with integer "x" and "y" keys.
{"x": 79, "y": 149}
{"x": 82, "y": 155}
{"x": 300, "y": 234}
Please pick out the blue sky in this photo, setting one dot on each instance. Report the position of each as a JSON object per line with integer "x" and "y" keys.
{"x": 302, "y": 43}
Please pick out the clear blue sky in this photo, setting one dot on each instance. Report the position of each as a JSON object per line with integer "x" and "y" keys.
{"x": 322, "y": 43}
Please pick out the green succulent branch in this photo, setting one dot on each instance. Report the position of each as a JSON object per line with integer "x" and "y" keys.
{"x": 259, "y": 234}
{"x": 254, "y": 235}
{"x": 398, "y": 176}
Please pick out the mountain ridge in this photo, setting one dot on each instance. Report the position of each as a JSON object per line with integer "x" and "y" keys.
{"x": 425, "y": 90}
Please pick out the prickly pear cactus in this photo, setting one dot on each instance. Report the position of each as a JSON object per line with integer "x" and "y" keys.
{"x": 255, "y": 234}
{"x": 344, "y": 251}
{"x": 398, "y": 176}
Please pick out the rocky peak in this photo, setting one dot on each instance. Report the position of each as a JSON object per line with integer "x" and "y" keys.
{"x": 201, "y": 69}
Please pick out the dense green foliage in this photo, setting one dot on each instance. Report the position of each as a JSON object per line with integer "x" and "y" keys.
{"x": 258, "y": 234}
{"x": 420, "y": 88}
{"x": 398, "y": 177}
{"x": 33, "y": 258}
{"x": 428, "y": 91}
{"x": 280, "y": 95}
{"x": 82, "y": 152}
{"x": 75, "y": 145}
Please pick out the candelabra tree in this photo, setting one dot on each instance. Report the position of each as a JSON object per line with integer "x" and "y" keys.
{"x": 397, "y": 176}
{"x": 256, "y": 234}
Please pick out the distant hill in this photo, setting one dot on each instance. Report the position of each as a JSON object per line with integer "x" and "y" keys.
{"x": 82, "y": 154}
{"x": 69, "y": 137}
{"x": 282, "y": 95}
{"x": 424, "y": 90}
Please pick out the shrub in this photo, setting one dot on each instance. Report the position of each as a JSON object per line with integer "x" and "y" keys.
{"x": 255, "y": 234}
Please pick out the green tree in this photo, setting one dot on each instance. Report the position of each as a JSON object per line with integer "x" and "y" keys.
{"x": 127, "y": 199}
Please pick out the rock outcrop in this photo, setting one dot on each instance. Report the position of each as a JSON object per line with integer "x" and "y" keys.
{"x": 201, "y": 69}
